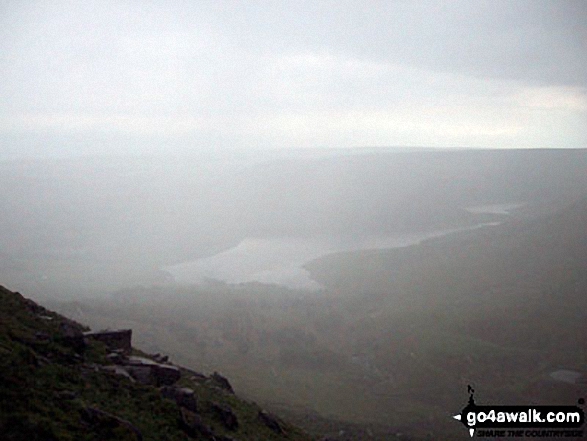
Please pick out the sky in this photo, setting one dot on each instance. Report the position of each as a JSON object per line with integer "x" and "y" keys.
{"x": 158, "y": 75}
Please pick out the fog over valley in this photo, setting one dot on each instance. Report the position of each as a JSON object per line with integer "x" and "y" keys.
{"x": 396, "y": 276}
{"x": 130, "y": 221}
{"x": 307, "y": 220}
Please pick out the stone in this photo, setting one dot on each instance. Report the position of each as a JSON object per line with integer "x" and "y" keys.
{"x": 196, "y": 376}
{"x": 42, "y": 336}
{"x": 140, "y": 361}
{"x": 72, "y": 336}
{"x": 142, "y": 374}
{"x": 271, "y": 422}
{"x": 147, "y": 371}
{"x": 113, "y": 339}
{"x": 183, "y": 396}
{"x": 110, "y": 425}
{"x": 166, "y": 375}
{"x": 193, "y": 426}
{"x": 119, "y": 370}
{"x": 161, "y": 358}
{"x": 225, "y": 415}
{"x": 222, "y": 382}
{"x": 66, "y": 395}
{"x": 116, "y": 358}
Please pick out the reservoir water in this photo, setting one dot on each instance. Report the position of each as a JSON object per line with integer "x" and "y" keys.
{"x": 280, "y": 260}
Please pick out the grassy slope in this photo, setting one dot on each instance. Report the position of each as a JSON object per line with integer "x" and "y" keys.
{"x": 46, "y": 385}
{"x": 500, "y": 310}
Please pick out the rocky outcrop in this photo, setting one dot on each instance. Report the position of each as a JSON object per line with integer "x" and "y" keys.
{"x": 141, "y": 369}
{"x": 183, "y": 396}
{"x": 221, "y": 382}
{"x": 72, "y": 336}
{"x": 100, "y": 393}
{"x": 149, "y": 372}
{"x": 109, "y": 425}
{"x": 119, "y": 370}
{"x": 193, "y": 425}
{"x": 156, "y": 371}
{"x": 160, "y": 358}
{"x": 113, "y": 339}
{"x": 271, "y": 422}
{"x": 225, "y": 416}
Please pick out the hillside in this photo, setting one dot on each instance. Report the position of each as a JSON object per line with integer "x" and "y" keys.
{"x": 502, "y": 309}
{"x": 61, "y": 382}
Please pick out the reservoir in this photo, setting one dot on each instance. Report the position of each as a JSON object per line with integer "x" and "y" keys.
{"x": 280, "y": 260}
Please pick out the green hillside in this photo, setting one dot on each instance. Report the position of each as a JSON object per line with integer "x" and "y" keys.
{"x": 502, "y": 309}
{"x": 57, "y": 383}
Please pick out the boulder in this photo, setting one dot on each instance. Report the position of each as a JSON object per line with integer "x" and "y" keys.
{"x": 42, "y": 336}
{"x": 147, "y": 371}
{"x": 225, "y": 415}
{"x": 221, "y": 382}
{"x": 166, "y": 375}
{"x": 113, "y": 339}
{"x": 116, "y": 358}
{"x": 109, "y": 426}
{"x": 72, "y": 336}
{"x": 271, "y": 422}
{"x": 193, "y": 426}
{"x": 142, "y": 374}
{"x": 183, "y": 396}
{"x": 65, "y": 395}
{"x": 119, "y": 370}
{"x": 161, "y": 358}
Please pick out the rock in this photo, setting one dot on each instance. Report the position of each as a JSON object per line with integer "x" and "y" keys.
{"x": 66, "y": 395}
{"x": 72, "y": 336}
{"x": 183, "y": 396}
{"x": 161, "y": 358}
{"x": 91, "y": 367}
{"x": 225, "y": 415}
{"x": 116, "y": 358}
{"x": 147, "y": 371}
{"x": 119, "y": 370}
{"x": 196, "y": 376}
{"x": 142, "y": 374}
{"x": 116, "y": 339}
{"x": 193, "y": 425}
{"x": 271, "y": 422}
{"x": 42, "y": 361}
{"x": 31, "y": 305}
{"x": 166, "y": 375}
{"x": 42, "y": 336}
{"x": 109, "y": 426}
{"x": 141, "y": 369}
{"x": 222, "y": 382}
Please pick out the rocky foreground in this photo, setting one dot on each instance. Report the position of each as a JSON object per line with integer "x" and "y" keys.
{"x": 60, "y": 381}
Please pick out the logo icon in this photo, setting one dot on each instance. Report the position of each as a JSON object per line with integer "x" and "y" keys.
{"x": 550, "y": 418}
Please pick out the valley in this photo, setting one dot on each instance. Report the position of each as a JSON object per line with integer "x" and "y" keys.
{"x": 347, "y": 324}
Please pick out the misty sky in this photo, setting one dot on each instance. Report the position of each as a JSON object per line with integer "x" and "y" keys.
{"x": 116, "y": 76}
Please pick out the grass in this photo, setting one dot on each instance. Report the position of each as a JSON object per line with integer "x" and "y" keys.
{"x": 47, "y": 386}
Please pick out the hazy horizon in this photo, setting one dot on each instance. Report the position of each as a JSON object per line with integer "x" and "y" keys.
{"x": 136, "y": 78}
{"x": 352, "y": 209}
